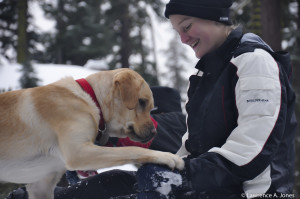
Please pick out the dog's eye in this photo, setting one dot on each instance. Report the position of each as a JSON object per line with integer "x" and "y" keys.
{"x": 142, "y": 102}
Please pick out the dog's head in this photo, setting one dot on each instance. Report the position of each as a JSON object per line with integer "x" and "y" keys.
{"x": 131, "y": 104}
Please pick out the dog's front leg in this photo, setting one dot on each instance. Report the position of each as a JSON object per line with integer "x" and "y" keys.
{"x": 44, "y": 189}
{"x": 92, "y": 157}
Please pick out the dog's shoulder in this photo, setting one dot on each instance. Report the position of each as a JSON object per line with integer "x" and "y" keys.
{"x": 65, "y": 92}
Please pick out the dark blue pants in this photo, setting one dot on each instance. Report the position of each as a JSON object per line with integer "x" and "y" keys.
{"x": 102, "y": 186}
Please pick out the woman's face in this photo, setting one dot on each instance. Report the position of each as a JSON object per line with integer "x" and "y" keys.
{"x": 201, "y": 35}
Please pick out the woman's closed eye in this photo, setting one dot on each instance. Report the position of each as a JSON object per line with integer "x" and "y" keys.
{"x": 187, "y": 27}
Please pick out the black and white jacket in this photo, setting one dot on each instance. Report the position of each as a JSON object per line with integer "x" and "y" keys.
{"x": 241, "y": 123}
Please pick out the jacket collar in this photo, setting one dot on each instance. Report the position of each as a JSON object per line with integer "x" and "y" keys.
{"x": 222, "y": 53}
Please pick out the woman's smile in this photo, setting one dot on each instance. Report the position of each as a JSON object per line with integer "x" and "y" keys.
{"x": 201, "y": 35}
{"x": 195, "y": 43}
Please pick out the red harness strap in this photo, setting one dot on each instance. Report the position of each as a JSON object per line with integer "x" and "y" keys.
{"x": 88, "y": 89}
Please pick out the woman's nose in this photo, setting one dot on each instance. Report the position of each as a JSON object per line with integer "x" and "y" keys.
{"x": 184, "y": 38}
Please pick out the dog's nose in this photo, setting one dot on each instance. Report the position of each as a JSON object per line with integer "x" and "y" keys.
{"x": 150, "y": 136}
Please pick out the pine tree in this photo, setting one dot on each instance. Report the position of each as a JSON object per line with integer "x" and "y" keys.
{"x": 262, "y": 17}
{"x": 256, "y": 19}
{"x": 271, "y": 20}
{"x": 106, "y": 29}
{"x": 8, "y": 23}
{"x": 9, "y": 27}
{"x": 130, "y": 20}
{"x": 81, "y": 33}
{"x": 22, "y": 47}
{"x": 14, "y": 22}
{"x": 28, "y": 78}
{"x": 176, "y": 56}
{"x": 292, "y": 21}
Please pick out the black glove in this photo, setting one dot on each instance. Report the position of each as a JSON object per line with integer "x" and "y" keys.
{"x": 72, "y": 177}
{"x": 185, "y": 191}
{"x": 19, "y": 193}
{"x": 157, "y": 181}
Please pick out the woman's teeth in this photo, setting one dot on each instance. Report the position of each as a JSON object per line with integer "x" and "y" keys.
{"x": 193, "y": 45}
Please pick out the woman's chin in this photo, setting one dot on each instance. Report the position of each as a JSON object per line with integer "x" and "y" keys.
{"x": 198, "y": 55}
{"x": 200, "y": 52}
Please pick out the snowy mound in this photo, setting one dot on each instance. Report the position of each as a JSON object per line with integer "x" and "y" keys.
{"x": 10, "y": 74}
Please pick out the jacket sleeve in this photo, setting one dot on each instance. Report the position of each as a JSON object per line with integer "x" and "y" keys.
{"x": 244, "y": 159}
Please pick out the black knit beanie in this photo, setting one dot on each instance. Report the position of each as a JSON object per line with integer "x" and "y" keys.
{"x": 166, "y": 99}
{"x": 215, "y": 10}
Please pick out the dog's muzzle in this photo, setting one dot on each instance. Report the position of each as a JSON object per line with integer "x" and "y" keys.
{"x": 144, "y": 136}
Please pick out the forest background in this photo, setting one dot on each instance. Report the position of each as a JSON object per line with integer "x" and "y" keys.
{"x": 122, "y": 34}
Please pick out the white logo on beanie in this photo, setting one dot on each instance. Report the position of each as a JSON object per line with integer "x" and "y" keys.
{"x": 223, "y": 19}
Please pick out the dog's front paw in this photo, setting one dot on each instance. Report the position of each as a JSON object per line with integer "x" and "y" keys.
{"x": 169, "y": 159}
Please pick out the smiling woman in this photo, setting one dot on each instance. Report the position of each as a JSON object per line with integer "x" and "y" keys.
{"x": 236, "y": 102}
{"x": 201, "y": 35}
{"x": 203, "y": 27}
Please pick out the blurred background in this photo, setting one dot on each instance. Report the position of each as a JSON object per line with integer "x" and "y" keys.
{"x": 42, "y": 41}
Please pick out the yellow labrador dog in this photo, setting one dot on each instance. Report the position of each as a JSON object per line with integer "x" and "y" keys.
{"x": 48, "y": 129}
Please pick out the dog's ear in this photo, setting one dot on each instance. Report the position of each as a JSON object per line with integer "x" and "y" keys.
{"x": 128, "y": 86}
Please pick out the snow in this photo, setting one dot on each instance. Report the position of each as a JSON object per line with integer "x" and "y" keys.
{"x": 40, "y": 21}
{"x": 9, "y": 76}
{"x": 96, "y": 64}
{"x": 47, "y": 73}
{"x": 126, "y": 167}
{"x": 165, "y": 187}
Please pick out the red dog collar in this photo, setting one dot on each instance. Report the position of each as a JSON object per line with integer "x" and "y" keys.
{"x": 88, "y": 89}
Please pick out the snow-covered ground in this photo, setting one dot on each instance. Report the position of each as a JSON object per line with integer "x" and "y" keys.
{"x": 46, "y": 73}
{"x": 127, "y": 167}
